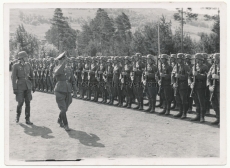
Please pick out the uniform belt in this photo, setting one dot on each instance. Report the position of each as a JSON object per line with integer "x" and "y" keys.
{"x": 63, "y": 80}
{"x": 22, "y": 78}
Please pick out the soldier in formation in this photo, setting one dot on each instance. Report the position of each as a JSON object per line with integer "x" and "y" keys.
{"x": 172, "y": 79}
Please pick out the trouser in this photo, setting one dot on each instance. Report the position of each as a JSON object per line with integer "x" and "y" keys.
{"x": 152, "y": 93}
{"x": 50, "y": 83}
{"x": 190, "y": 99}
{"x": 216, "y": 103}
{"x": 199, "y": 98}
{"x": 138, "y": 91}
{"x": 21, "y": 96}
{"x": 166, "y": 95}
{"x": 207, "y": 101}
{"x": 63, "y": 100}
{"x": 182, "y": 99}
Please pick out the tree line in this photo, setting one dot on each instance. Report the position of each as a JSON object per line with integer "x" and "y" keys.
{"x": 107, "y": 36}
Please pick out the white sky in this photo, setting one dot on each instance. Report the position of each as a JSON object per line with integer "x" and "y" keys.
{"x": 200, "y": 11}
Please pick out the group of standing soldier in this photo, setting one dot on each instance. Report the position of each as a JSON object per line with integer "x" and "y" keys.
{"x": 130, "y": 78}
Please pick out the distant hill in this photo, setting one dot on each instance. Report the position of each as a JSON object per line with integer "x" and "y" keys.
{"x": 138, "y": 17}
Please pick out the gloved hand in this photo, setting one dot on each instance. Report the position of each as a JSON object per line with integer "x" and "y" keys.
{"x": 15, "y": 91}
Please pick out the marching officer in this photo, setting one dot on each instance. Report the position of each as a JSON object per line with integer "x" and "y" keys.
{"x": 63, "y": 88}
{"x": 150, "y": 82}
{"x": 197, "y": 82}
{"x": 23, "y": 83}
{"x": 180, "y": 84}
{"x": 164, "y": 81}
{"x": 213, "y": 82}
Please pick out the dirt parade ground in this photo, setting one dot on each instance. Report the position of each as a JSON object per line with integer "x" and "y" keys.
{"x": 103, "y": 131}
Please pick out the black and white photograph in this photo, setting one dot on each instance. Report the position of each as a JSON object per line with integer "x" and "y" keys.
{"x": 115, "y": 83}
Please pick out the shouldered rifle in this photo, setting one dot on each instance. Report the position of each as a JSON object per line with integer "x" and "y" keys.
{"x": 89, "y": 74}
{"x": 175, "y": 89}
{"x": 146, "y": 76}
{"x": 161, "y": 78}
{"x": 214, "y": 82}
{"x": 194, "y": 80}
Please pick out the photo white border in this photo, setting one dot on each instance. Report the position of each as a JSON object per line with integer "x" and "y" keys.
{"x": 135, "y": 161}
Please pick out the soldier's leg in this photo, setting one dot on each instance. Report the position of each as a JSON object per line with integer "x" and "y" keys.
{"x": 20, "y": 99}
{"x": 207, "y": 101}
{"x": 168, "y": 99}
{"x": 163, "y": 98}
{"x": 61, "y": 101}
{"x": 178, "y": 99}
{"x": 202, "y": 100}
{"x": 28, "y": 98}
{"x": 184, "y": 99}
{"x": 216, "y": 107}
{"x": 198, "y": 107}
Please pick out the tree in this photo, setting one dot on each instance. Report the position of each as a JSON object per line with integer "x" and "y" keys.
{"x": 179, "y": 16}
{"x": 215, "y": 28}
{"x": 50, "y": 50}
{"x": 61, "y": 33}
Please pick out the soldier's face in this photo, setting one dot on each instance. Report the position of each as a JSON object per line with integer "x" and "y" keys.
{"x": 25, "y": 59}
{"x": 217, "y": 60}
{"x": 149, "y": 61}
{"x": 163, "y": 60}
{"x": 179, "y": 60}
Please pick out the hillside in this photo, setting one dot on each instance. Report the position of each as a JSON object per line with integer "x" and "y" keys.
{"x": 138, "y": 17}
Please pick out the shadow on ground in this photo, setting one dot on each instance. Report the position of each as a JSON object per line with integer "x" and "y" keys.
{"x": 34, "y": 130}
{"x": 86, "y": 139}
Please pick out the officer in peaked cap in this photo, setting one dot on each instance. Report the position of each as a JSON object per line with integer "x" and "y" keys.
{"x": 213, "y": 82}
{"x": 180, "y": 84}
{"x": 164, "y": 82}
{"x": 63, "y": 88}
{"x": 23, "y": 83}
{"x": 199, "y": 73}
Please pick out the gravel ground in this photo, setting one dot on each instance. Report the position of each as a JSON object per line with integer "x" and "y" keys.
{"x": 102, "y": 131}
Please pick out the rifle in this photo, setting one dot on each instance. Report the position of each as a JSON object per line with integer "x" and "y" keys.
{"x": 89, "y": 74}
{"x": 122, "y": 77}
{"x": 133, "y": 72}
{"x": 146, "y": 77}
{"x": 175, "y": 89}
{"x": 194, "y": 80}
{"x": 160, "y": 79}
{"x": 214, "y": 82}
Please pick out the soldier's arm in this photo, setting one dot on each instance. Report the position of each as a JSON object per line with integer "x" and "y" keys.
{"x": 190, "y": 76}
{"x": 59, "y": 70}
{"x": 14, "y": 76}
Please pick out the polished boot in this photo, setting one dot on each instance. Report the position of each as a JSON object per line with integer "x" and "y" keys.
{"x": 180, "y": 110}
{"x": 129, "y": 102}
{"x": 17, "y": 118}
{"x": 112, "y": 100}
{"x": 150, "y": 106}
{"x": 121, "y": 101}
{"x": 217, "y": 118}
{"x": 168, "y": 109}
{"x": 109, "y": 99}
{"x": 153, "y": 104}
{"x": 28, "y": 122}
{"x": 105, "y": 98}
{"x": 184, "y": 115}
{"x": 202, "y": 116}
{"x": 141, "y": 104}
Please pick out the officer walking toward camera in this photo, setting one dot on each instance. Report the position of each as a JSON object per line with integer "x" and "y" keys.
{"x": 23, "y": 83}
{"x": 63, "y": 88}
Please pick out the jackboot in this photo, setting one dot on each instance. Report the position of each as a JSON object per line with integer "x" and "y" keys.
{"x": 141, "y": 104}
{"x": 202, "y": 116}
{"x": 17, "y": 118}
{"x": 105, "y": 98}
{"x": 150, "y": 106}
{"x": 184, "y": 115}
{"x": 180, "y": 110}
{"x": 168, "y": 109}
{"x": 28, "y": 122}
{"x": 163, "y": 111}
{"x": 129, "y": 102}
{"x": 109, "y": 99}
{"x": 153, "y": 103}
